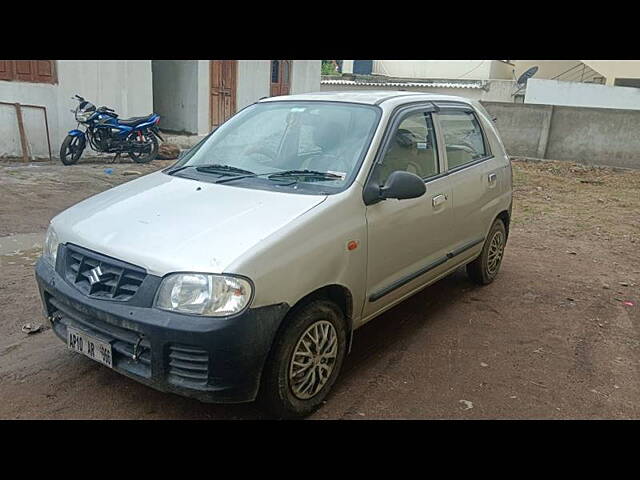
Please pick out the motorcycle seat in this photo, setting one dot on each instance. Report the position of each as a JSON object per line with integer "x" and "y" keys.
{"x": 134, "y": 120}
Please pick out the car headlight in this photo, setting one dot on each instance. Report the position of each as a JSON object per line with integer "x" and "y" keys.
{"x": 50, "y": 248}
{"x": 203, "y": 294}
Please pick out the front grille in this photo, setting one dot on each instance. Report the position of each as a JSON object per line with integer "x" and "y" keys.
{"x": 188, "y": 364}
{"x": 102, "y": 277}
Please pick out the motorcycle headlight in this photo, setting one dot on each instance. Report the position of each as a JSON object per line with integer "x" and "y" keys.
{"x": 83, "y": 116}
{"x": 203, "y": 294}
{"x": 50, "y": 248}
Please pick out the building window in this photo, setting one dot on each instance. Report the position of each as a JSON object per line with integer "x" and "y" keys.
{"x": 34, "y": 71}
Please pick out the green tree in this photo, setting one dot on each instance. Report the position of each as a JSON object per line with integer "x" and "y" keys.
{"x": 329, "y": 67}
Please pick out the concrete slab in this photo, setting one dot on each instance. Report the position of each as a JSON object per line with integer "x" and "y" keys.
{"x": 12, "y": 244}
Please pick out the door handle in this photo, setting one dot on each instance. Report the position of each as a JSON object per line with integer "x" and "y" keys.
{"x": 438, "y": 200}
{"x": 492, "y": 177}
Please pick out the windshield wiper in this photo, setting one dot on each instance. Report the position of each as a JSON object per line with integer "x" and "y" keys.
{"x": 175, "y": 170}
{"x": 306, "y": 173}
{"x": 216, "y": 168}
{"x": 317, "y": 175}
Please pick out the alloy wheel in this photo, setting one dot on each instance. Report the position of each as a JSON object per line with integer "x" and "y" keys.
{"x": 313, "y": 359}
{"x": 496, "y": 250}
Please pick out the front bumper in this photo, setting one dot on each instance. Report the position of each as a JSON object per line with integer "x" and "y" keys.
{"x": 216, "y": 360}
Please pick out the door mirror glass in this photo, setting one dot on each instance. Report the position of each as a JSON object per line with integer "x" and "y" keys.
{"x": 403, "y": 185}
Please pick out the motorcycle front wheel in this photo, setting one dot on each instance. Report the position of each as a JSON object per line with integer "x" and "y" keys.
{"x": 71, "y": 149}
{"x": 150, "y": 149}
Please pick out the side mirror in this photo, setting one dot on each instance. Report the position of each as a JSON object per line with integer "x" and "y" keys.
{"x": 400, "y": 185}
{"x": 403, "y": 185}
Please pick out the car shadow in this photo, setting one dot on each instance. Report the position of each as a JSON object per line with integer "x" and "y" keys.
{"x": 394, "y": 327}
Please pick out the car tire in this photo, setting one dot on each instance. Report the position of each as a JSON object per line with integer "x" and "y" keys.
{"x": 289, "y": 388}
{"x": 484, "y": 269}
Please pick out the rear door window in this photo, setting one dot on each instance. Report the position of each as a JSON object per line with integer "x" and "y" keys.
{"x": 463, "y": 138}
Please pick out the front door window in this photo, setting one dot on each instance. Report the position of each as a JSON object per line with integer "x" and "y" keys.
{"x": 412, "y": 148}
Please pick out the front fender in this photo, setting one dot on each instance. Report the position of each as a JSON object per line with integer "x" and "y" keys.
{"x": 76, "y": 133}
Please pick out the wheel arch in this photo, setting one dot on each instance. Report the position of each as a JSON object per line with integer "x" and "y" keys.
{"x": 339, "y": 294}
{"x": 506, "y": 219}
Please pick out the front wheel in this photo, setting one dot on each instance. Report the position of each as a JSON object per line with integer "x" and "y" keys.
{"x": 146, "y": 148}
{"x": 305, "y": 360}
{"x": 71, "y": 149}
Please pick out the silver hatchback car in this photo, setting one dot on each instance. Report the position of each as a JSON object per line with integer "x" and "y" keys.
{"x": 242, "y": 271}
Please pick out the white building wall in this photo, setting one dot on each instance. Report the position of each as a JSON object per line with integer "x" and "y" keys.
{"x": 612, "y": 69}
{"x": 253, "y": 81}
{"x": 442, "y": 69}
{"x": 124, "y": 85}
{"x": 175, "y": 94}
{"x": 204, "y": 97}
{"x": 191, "y": 103}
{"x": 574, "y": 94}
{"x": 305, "y": 76}
{"x": 547, "y": 69}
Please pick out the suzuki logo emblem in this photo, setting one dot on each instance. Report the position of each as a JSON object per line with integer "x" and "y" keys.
{"x": 94, "y": 275}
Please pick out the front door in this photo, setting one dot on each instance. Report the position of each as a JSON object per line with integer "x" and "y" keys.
{"x": 280, "y": 77}
{"x": 223, "y": 90}
{"x": 408, "y": 240}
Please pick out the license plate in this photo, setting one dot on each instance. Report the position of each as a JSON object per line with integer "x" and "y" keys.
{"x": 90, "y": 346}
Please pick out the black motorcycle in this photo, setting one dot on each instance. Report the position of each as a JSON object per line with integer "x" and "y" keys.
{"x": 105, "y": 132}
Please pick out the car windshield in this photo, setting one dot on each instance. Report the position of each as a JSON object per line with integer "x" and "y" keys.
{"x": 305, "y": 147}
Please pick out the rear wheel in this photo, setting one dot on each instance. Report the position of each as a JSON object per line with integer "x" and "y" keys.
{"x": 484, "y": 269}
{"x": 71, "y": 149}
{"x": 146, "y": 147}
{"x": 305, "y": 360}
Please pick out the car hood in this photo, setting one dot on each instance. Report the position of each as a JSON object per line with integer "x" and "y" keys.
{"x": 166, "y": 224}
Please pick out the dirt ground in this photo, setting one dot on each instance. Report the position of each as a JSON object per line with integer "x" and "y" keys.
{"x": 552, "y": 337}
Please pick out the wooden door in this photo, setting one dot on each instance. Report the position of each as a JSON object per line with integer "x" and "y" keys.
{"x": 223, "y": 90}
{"x": 280, "y": 77}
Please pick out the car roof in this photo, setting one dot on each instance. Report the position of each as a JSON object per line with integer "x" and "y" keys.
{"x": 370, "y": 97}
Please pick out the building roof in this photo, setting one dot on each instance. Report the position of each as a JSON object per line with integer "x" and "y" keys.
{"x": 390, "y": 83}
{"x": 371, "y": 97}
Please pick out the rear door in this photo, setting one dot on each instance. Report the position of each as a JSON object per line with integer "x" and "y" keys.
{"x": 474, "y": 175}
{"x": 407, "y": 240}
